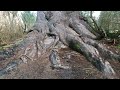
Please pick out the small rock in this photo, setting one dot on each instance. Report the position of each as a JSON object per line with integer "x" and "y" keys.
{"x": 24, "y": 59}
{"x": 108, "y": 71}
{"x": 69, "y": 56}
{"x": 60, "y": 67}
{"x": 11, "y": 66}
{"x": 2, "y": 58}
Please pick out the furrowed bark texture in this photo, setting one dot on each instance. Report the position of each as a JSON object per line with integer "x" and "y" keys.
{"x": 52, "y": 27}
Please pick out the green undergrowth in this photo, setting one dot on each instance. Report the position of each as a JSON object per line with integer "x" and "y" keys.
{"x": 5, "y": 46}
{"x": 118, "y": 46}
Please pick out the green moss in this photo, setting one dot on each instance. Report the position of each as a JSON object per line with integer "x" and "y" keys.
{"x": 1, "y": 48}
{"x": 77, "y": 46}
{"x": 74, "y": 45}
{"x": 118, "y": 46}
{"x": 7, "y": 46}
{"x": 19, "y": 41}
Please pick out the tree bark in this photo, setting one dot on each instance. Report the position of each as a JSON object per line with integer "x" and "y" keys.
{"x": 52, "y": 27}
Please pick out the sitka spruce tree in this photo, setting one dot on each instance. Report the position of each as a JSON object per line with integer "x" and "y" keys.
{"x": 68, "y": 28}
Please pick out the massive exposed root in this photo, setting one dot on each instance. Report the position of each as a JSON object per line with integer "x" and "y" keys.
{"x": 52, "y": 27}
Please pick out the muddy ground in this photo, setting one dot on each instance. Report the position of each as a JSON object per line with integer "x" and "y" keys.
{"x": 80, "y": 68}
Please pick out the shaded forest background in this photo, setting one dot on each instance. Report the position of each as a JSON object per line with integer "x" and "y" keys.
{"x": 15, "y": 24}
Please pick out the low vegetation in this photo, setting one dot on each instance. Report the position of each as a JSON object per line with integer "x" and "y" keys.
{"x": 12, "y": 26}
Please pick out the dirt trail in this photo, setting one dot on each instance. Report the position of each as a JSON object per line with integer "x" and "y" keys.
{"x": 80, "y": 68}
{"x": 40, "y": 69}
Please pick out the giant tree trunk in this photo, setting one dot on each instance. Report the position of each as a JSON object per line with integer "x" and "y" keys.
{"x": 52, "y": 27}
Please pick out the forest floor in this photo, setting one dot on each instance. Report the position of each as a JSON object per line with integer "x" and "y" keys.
{"x": 80, "y": 68}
